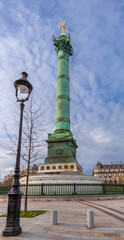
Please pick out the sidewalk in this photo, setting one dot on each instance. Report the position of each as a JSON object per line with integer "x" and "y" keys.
{"x": 72, "y": 218}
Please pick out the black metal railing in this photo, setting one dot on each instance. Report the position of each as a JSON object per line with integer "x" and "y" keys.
{"x": 73, "y": 189}
{"x": 4, "y": 189}
{"x": 67, "y": 189}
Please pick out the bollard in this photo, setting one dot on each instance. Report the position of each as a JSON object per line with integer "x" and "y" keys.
{"x": 54, "y": 216}
{"x": 90, "y": 219}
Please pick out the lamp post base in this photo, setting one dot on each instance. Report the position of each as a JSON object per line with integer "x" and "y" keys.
{"x": 13, "y": 215}
{"x": 12, "y": 232}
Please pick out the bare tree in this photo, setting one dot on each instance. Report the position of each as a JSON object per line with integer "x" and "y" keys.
{"x": 9, "y": 177}
{"x": 32, "y": 137}
{"x": 0, "y": 178}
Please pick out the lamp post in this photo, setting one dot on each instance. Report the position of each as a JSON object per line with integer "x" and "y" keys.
{"x": 23, "y": 90}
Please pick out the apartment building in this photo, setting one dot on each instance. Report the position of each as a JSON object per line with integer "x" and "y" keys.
{"x": 110, "y": 173}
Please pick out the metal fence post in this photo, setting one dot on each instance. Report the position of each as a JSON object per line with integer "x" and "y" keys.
{"x": 42, "y": 189}
{"x": 103, "y": 189}
{"x": 122, "y": 189}
{"x": 74, "y": 189}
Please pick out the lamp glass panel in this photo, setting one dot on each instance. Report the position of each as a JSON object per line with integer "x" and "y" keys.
{"x": 23, "y": 92}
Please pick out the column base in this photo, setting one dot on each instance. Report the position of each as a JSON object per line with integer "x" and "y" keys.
{"x": 61, "y": 148}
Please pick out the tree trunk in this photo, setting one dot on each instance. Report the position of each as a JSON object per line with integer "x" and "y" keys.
{"x": 29, "y": 154}
{"x": 26, "y": 192}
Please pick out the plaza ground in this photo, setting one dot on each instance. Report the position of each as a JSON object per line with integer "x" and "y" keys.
{"x": 72, "y": 219}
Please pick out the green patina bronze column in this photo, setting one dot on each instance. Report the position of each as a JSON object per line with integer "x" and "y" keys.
{"x": 61, "y": 144}
{"x": 64, "y": 50}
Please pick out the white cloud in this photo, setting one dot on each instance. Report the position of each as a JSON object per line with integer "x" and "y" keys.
{"x": 100, "y": 135}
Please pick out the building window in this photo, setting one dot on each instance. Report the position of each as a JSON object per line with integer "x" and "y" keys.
{"x": 48, "y": 167}
{"x": 42, "y": 168}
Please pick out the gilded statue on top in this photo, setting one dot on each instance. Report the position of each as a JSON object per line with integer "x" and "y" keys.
{"x": 63, "y": 27}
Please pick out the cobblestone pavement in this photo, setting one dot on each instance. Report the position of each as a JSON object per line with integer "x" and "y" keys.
{"x": 72, "y": 219}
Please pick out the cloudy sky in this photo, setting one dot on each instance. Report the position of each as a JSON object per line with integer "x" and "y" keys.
{"x": 96, "y": 71}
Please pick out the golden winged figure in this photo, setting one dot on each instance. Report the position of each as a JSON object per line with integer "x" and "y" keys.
{"x": 63, "y": 27}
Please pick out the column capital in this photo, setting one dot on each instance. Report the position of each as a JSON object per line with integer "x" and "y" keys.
{"x": 63, "y": 43}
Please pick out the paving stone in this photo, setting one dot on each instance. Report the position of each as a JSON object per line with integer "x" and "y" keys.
{"x": 71, "y": 221}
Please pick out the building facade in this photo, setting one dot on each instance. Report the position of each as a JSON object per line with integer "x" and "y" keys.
{"x": 110, "y": 173}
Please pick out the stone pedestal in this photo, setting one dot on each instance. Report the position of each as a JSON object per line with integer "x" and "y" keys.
{"x": 60, "y": 168}
{"x": 61, "y": 179}
{"x": 61, "y": 148}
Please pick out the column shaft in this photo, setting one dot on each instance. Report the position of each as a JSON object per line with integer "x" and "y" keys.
{"x": 63, "y": 92}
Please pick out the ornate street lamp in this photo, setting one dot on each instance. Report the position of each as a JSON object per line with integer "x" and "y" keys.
{"x": 23, "y": 90}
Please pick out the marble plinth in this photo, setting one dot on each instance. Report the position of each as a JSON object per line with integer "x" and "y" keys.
{"x": 61, "y": 185}
{"x": 61, "y": 179}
